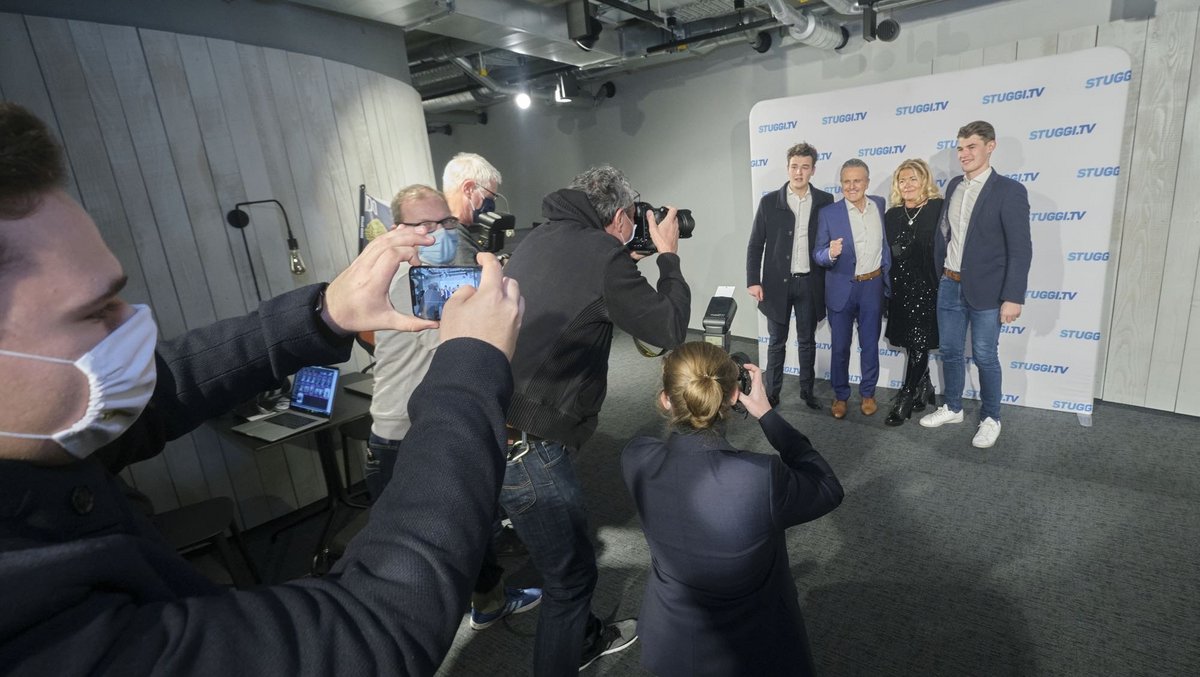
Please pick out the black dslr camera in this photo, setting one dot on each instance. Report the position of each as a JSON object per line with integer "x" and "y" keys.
{"x": 490, "y": 229}
{"x": 641, "y": 241}
{"x": 741, "y": 359}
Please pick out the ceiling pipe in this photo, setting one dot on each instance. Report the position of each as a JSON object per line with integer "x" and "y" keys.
{"x": 703, "y": 37}
{"x": 459, "y": 101}
{"x": 807, "y": 28}
{"x": 845, "y": 6}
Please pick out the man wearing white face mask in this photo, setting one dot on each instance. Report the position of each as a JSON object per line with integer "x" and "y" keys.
{"x": 86, "y": 586}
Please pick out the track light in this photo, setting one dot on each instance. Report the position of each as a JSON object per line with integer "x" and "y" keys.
{"x": 523, "y": 100}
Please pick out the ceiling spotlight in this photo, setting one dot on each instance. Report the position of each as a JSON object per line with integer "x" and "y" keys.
{"x": 523, "y": 101}
{"x": 566, "y": 88}
{"x": 583, "y": 28}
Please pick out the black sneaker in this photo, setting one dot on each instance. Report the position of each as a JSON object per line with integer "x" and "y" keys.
{"x": 614, "y": 637}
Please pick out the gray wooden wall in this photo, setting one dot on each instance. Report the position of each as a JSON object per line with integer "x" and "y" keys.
{"x": 1151, "y": 352}
{"x": 164, "y": 133}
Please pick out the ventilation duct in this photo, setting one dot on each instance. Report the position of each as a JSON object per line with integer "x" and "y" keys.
{"x": 807, "y": 28}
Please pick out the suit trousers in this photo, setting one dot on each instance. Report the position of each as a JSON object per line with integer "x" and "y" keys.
{"x": 864, "y": 306}
{"x": 801, "y": 301}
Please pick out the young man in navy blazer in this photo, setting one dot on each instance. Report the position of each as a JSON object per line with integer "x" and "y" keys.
{"x": 781, "y": 273}
{"x": 982, "y": 250}
{"x": 852, "y": 244}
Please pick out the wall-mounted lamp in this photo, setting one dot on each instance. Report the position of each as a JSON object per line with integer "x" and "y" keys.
{"x": 240, "y": 219}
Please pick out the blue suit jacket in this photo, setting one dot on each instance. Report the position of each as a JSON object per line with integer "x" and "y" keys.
{"x": 998, "y": 250}
{"x": 833, "y": 222}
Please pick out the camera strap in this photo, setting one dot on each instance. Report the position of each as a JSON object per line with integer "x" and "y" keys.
{"x": 647, "y": 350}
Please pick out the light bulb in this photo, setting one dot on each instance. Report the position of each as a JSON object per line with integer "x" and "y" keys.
{"x": 295, "y": 263}
{"x": 523, "y": 101}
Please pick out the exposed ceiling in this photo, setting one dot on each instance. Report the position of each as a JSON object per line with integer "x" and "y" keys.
{"x": 466, "y": 55}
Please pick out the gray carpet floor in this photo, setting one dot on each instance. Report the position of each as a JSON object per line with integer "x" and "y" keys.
{"x": 1063, "y": 550}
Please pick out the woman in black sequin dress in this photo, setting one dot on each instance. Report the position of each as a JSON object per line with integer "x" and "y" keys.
{"x": 912, "y": 308}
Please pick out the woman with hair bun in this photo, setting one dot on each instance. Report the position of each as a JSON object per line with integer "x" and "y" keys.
{"x": 720, "y": 599}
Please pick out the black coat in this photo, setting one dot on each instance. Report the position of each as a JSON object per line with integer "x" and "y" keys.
{"x": 769, "y": 254}
{"x": 86, "y": 587}
{"x": 720, "y": 599}
{"x": 578, "y": 281}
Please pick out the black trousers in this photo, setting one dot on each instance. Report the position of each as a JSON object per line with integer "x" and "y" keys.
{"x": 801, "y": 300}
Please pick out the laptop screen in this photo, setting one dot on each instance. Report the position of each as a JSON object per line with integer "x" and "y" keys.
{"x": 312, "y": 390}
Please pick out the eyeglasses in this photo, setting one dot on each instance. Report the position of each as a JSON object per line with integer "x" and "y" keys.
{"x": 449, "y": 223}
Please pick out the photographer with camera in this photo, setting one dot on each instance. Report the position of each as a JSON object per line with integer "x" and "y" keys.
{"x": 721, "y": 599}
{"x": 579, "y": 279}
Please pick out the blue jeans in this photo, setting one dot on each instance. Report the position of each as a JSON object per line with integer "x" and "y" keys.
{"x": 953, "y": 316}
{"x": 545, "y": 503}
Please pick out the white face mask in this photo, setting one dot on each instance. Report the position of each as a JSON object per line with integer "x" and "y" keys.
{"x": 121, "y": 376}
{"x": 632, "y": 229}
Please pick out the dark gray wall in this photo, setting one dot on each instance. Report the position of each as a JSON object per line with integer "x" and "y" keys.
{"x": 266, "y": 23}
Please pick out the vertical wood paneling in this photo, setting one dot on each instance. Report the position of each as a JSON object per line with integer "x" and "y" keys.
{"x": 267, "y": 221}
{"x": 316, "y": 203}
{"x": 1183, "y": 236}
{"x": 1131, "y": 37}
{"x": 218, "y": 148}
{"x": 1154, "y": 162}
{"x": 118, "y": 142}
{"x": 67, "y": 86}
{"x": 158, "y": 173}
{"x": 163, "y": 134}
{"x": 21, "y": 82}
{"x": 192, "y": 167}
{"x": 1188, "y": 401}
{"x": 386, "y": 186}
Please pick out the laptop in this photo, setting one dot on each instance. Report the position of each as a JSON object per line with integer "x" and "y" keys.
{"x": 311, "y": 405}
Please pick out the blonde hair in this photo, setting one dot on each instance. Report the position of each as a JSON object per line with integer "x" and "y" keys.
{"x": 698, "y": 379}
{"x": 924, "y": 174}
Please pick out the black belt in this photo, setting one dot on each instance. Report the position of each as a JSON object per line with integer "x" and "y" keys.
{"x": 802, "y": 274}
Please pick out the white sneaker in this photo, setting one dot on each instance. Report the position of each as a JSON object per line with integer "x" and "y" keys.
{"x": 941, "y": 416}
{"x": 989, "y": 430}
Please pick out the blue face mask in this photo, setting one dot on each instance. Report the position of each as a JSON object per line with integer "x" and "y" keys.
{"x": 488, "y": 205}
{"x": 443, "y": 249}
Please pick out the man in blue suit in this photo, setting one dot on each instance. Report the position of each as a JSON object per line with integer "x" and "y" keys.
{"x": 982, "y": 250}
{"x": 851, "y": 243}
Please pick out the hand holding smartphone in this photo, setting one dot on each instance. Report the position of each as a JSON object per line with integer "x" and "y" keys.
{"x": 431, "y": 286}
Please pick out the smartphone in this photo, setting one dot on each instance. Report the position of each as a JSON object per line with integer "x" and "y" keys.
{"x": 431, "y": 286}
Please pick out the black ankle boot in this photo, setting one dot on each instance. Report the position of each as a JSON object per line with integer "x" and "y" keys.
{"x": 923, "y": 394}
{"x": 901, "y": 410}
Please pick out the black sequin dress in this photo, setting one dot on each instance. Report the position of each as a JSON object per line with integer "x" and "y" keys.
{"x": 912, "y": 309}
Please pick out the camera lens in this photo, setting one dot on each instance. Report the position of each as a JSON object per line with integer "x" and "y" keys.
{"x": 686, "y": 223}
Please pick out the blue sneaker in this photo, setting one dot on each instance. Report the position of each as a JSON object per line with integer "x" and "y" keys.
{"x": 516, "y": 601}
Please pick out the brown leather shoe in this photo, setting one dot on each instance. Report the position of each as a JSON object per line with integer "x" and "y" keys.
{"x": 868, "y": 406}
{"x": 838, "y": 409}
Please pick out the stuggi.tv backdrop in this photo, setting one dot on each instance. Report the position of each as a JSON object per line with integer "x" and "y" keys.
{"x": 1059, "y": 122}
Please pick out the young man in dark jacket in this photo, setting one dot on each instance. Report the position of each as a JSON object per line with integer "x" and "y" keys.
{"x": 578, "y": 280}
{"x": 86, "y": 585}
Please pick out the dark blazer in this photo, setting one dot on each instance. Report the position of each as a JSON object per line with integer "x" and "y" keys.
{"x": 88, "y": 588}
{"x": 772, "y": 235}
{"x": 720, "y": 599}
{"x": 834, "y": 222}
{"x": 998, "y": 250}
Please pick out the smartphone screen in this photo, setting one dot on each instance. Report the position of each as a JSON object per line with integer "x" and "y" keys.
{"x": 432, "y": 285}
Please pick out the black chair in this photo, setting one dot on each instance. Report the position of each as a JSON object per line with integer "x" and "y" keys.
{"x": 204, "y": 524}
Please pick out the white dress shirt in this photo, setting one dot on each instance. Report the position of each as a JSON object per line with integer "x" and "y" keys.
{"x": 867, "y": 228}
{"x": 962, "y": 205}
{"x": 801, "y": 206}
